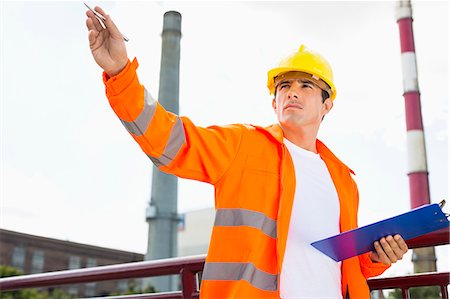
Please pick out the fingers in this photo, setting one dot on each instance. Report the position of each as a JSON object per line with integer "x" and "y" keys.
{"x": 382, "y": 257}
{"x": 93, "y": 32}
{"x": 398, "y": 246}
{"x": 401, "y": 243}
{"x": 374, "y": 256}
{"x": 92, "y": 35}
{"x": 94, "y": 27}
{"x": 95, "y": 21}
{"x": 100, "y": 11}
{"x": 113, "y": 30}
{"x": 390, "y": 249}
{"x": 91, "y": 26}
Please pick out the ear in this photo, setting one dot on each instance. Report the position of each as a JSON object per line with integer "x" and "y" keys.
{"x": 327, "y": 106}
{"x": 274, "y": 104}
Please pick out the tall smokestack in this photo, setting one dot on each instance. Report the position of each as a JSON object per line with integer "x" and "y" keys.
{"x": 424, "y": 259}
{"x": 162, "y": 215}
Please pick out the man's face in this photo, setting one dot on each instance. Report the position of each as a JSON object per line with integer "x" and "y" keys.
{"x": 298, "y": 101}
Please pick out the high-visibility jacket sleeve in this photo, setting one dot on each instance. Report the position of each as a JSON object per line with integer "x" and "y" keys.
{"x": 174, "y": 144}
{"x": 369, "y": 268}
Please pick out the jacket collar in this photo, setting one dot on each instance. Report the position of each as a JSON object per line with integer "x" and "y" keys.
{"x": 276, "y": 132}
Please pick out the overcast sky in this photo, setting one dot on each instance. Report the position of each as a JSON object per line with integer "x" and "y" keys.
{"x": 71, "y": 171}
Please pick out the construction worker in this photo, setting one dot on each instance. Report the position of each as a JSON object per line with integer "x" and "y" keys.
{"x": 277, "y": 188}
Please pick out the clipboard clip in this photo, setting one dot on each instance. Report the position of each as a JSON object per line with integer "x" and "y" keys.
{"x": 441, "y": 205}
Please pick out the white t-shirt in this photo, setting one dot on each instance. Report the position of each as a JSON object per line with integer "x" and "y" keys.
{"x": 306, "y": 272}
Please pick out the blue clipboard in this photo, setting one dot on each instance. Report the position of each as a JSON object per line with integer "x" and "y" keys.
{"x": 417, "y": 222}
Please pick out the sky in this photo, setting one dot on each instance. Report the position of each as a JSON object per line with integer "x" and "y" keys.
{"x": 69, "y": 170}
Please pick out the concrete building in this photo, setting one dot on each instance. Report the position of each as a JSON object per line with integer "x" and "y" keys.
{"x": 34, "y": 254}
{"x": 194, "y": 232}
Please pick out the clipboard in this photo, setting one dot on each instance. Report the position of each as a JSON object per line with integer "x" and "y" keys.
{"x": 417, "y": 222}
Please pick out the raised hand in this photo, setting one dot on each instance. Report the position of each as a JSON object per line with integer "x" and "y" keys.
{"x": 106, "y": 44}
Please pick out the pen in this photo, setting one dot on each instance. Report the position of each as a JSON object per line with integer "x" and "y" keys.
{"x": 102, "y": 19}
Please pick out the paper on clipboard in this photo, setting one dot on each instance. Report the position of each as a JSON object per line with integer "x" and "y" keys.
{"x": 417, "y": 222}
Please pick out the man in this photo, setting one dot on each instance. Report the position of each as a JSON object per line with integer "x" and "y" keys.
{"x": 277, "y": 189}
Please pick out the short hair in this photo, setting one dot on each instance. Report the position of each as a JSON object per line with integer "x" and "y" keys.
{"x": 325, "y": 95}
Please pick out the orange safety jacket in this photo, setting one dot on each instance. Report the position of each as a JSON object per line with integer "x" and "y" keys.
{"x": 254, "y": 179}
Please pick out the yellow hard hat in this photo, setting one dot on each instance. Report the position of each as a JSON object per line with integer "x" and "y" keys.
{"x": 306, "y": 61}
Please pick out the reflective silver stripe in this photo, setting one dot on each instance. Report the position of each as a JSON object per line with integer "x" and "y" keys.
{"x": 176, "y": 140}
{"x": 155, "y": 161}
{"x": 174, "y": 144}
{"x": 242, "y": 217}
{"x": 140, "y": 125}
{"x": 241, "y": 271}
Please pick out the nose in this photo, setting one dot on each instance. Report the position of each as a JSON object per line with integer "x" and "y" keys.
{"x": 292, "y": 95}
{"x": 293, "y": 92}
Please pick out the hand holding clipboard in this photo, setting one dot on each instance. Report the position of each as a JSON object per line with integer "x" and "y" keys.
{"x": 417, "y": 222}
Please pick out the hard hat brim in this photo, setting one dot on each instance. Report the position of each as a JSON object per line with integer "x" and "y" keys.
{"x": 273, "y": 73}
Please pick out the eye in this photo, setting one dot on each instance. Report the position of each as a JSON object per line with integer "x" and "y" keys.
{"x": 284, "y": 85}
{"x": 307, "y": 85}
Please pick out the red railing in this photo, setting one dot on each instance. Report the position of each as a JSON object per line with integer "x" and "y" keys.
{"x": 188, "y": 267}
{"x": 404, "y": 283}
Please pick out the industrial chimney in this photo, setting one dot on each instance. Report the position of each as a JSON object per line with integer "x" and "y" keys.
{"x": 161, "y": 214}
{"x": 424, "y": 259}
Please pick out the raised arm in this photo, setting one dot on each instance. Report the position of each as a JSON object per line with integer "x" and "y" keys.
{"x": 173, "y": 143}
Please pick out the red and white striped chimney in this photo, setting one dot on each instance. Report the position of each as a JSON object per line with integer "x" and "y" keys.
{"x": 417, "y": 160}
{"x": 424, "y": 259}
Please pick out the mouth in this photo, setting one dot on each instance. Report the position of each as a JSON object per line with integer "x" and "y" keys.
{"x": 294, "y": 106}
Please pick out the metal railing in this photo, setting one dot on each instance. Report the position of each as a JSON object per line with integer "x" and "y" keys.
{"x": 404, "y": 283}
{"x": 188, "y": 267}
